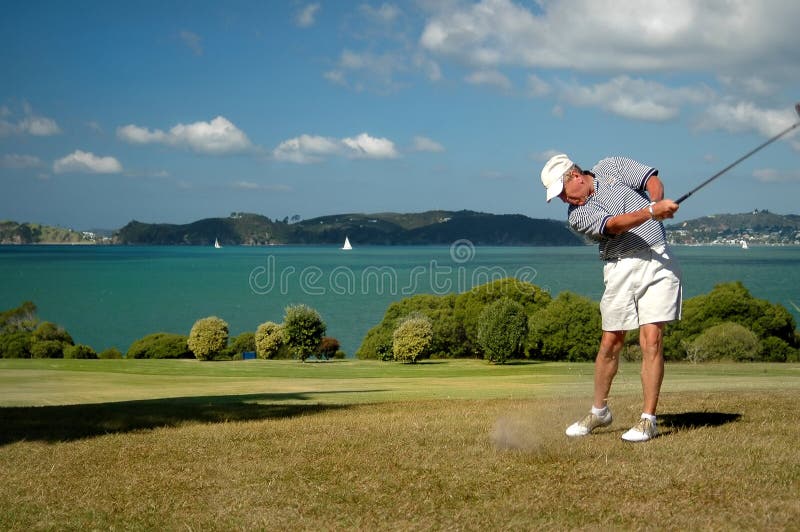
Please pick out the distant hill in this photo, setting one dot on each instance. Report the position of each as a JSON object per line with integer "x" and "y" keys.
{"x": 431, "y": 227}
{"x": 31, "y": 233}
{"x": 389, "y": 228}
{"x": 756, "y": 227}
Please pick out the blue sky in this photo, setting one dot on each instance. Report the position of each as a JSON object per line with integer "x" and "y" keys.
{"x": 171, "y": 111}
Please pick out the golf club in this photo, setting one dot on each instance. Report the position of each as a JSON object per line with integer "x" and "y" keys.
{"x": 740, "y": 159}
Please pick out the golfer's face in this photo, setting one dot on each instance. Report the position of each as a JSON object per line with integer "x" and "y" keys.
{"x": 576, "y": 190}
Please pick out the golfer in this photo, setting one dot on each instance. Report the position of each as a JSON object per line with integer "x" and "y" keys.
{"x": 620, "y": 204}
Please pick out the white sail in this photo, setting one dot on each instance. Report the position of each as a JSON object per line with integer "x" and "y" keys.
{"x": 347, "y": 244}
{"x": 216, "y": 243}
{"x": 744, "y": 244}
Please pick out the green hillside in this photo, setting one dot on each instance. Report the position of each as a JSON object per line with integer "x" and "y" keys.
{"x": 431, "y": 227}
{"x": 30, "y": 233}
{"x": 760, "y": 227}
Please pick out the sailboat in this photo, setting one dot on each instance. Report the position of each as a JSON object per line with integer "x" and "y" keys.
{"x": 216, "y": 243}
{"x": 744, "y": 244}
{"x": 347, "y": 245}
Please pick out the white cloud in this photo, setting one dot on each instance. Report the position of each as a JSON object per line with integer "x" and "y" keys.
{"x": 489, "y": 77}
{"x": 370, "y": 71}
{"x": 193, "y": 41}
{"x": 634, "y": 98}
{"x": 13, "y": 160}
{"x": 364, "y": 146}
{"x": 607, "y": 36}
{"x": 217, "y": 137}
{"x": 746, "y": 116}
{"x": 306, "y": 17}
{"x": 39, "y": 126}
{"x": 306, "y": 149}
{"x": 770, "y": 175}
{"x": 86, "y": 162}
{"x": 313, "y": 148}
{"x": 30, "y": 124}
{"x": 426, "y": 144}
{"x": 140, "y": 135}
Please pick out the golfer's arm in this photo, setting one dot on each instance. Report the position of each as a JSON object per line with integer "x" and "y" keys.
{"x": 655, "y": 188}
{"x": 624, "y": 222}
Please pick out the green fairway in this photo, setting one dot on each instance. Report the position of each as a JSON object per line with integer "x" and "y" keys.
{"x": 177, "y": 445}
{"x": 61, "y": 382}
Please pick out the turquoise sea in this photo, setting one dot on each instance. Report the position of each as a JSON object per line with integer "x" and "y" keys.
{"x": 109, "y": 296}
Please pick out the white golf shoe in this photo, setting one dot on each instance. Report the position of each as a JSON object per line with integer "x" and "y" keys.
{"x": 643, "y": 431}
{"x": 589, "y": 423}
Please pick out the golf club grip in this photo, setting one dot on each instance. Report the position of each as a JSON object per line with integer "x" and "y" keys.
{"x": 679, "y": 200}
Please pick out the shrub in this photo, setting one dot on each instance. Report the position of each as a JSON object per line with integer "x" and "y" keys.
{"x": 726, "y": 341}
{"x": 244, "y": 343}
{"x": 160, "y": 345}
{"x": 501, "y": 330}
{"x": 728, "y": 302}
{"x": 208, "y": 337}
{"x": 48, "y": 349}
{"x": 22, "y": 318}
{"x": 15, "y": 344}
{"x": 448, "y": 332}
{"x": 269, "y": 338}
{"x": 471, "y": 304}
{"x": 569, "y": 328}
{"x": 50, "y": 331}
{"x": 412, "y": 338}
{"x": 329, "y": 347}
{"x": 776, "y": 350}
{"x": 304, "y": 330}
{"x": 79, "y": 351}
{"x": 110, "y": 353}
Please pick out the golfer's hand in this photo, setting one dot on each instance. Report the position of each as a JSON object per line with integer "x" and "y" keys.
{"x": 665, "y": 209}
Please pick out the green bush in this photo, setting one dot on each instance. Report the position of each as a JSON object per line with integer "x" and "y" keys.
{"x": 208, "y": 337}
{"x": 244, "y": 343}
{"x": 470, "y": 305}
{"x": 412, "y": 338}
{"x": 160, "y": 345}
{"x": 269, "y": 339}
{"x": 48, "y": 349}
{"x": 728, "y": 302}
{"x": 304, "y": 330}
{"x": 726, "y": 341}
{"x": 79, "y": 351}
{"x": 112, "y": 353}
{"x": 15, "y": 344}
{"x": 502, "y": 327}
{"x": 50, "y": 331}
{"x": 569, "y": 328}
{"x": 22, "y": 318}
{"x": 448, "y": 333}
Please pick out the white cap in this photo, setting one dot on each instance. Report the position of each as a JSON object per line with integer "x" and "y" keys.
{"x": 553, "y": 174}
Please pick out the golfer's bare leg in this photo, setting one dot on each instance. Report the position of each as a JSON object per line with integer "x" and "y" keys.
{"x": 606, "y": 365}
{"x": 651, "y": 339}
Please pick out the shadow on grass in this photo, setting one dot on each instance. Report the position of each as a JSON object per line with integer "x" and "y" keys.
{"x": 72, "y": 422}
{"x": 695, "y": 420}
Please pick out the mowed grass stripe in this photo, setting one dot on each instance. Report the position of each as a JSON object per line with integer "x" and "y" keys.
{"x": 45, "y": 382}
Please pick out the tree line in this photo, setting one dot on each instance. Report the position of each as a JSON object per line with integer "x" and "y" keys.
{"x": 501, "y": 320}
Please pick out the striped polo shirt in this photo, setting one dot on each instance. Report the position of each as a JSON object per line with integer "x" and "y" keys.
{"x": 619, "y": 188}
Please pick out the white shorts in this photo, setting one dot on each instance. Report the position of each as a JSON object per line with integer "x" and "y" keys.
{"x": 644, "y": 287}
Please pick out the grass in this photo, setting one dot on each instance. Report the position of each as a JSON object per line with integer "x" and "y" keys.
{"x": 172, "y": 445}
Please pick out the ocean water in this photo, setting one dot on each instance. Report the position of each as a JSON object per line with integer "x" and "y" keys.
{"x": 111, "y": 296}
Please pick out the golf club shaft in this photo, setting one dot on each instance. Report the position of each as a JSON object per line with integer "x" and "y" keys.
{"x": 740, "y": 159}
